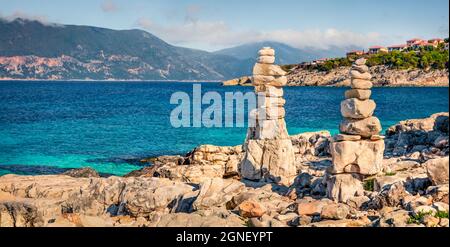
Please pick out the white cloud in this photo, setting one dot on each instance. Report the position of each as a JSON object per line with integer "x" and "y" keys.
{"x": 108, "y": 6}
{"x": 217, "y": 34}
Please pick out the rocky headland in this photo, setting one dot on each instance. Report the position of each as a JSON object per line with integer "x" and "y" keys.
{"x": 357, "y": 178}
{"x": 383, "y": 76}
{"x": 205, "y": 188}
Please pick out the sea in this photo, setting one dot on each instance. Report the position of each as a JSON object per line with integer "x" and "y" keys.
{"x": 47, "y": 127}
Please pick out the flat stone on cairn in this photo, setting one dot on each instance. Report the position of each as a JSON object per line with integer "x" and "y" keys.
{"x": 269, "y": 154}
{"x": 358, "y": 150}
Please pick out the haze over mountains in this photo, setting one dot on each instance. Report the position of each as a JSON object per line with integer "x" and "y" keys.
{"x": 285, "y": 54}
{"x": 33, "y": 50}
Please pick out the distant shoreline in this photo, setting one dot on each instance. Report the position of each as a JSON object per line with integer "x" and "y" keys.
{"x": 195, "y": 81}
{"x": 112, "y": 81}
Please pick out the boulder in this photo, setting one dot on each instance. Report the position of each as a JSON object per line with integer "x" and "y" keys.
{"x": 269, "y": 129}
{"x": 312, "y": 143}
{"x": 361, "y": 84}
{"x": 358, "y": 202}
{"x": 437, "y": 170}
{"x": 360, "y": 61}
{"x": 363, "y": 127}
{"x": 358, "y": 94}
{"x": 354, "y": 74}
{"x": 360, "y": 68}
{"x": 272, "y": 159}
{"x": 335, "y": 211}
{"x": 362, "y": 157}
{"x": 266, "y": 52}
{"x": 269, "y": 91}
{"x": 311, "y": 208}
{"x": 357, "y": 109}
{"x": 266, "y": 59}
{"x": 268, "y": 70}
{"x": 396, "y": 218}
{"x": 251, "y": 209}
{"x": 342, "y": 187}
{"x": 216, "y": 192}
{"x": 276, "y": 81}
{"x": 391, "y": 196}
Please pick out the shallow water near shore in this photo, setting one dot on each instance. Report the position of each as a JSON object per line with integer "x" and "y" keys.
{"x": 46, "y": 127}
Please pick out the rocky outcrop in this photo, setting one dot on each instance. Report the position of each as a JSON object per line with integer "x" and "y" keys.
{"x": 269, "y": 153}
{"x": 241, "y": 81}
{"x": 382, "y": 76}
{"x": 406, "y": 192}
{"x": 358, "y": 151}
{"x": 419, "y": 139}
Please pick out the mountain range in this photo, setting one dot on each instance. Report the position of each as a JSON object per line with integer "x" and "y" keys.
{"x": 32, "y": 50}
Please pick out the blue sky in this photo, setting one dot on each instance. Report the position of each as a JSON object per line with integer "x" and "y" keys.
{"x": 217, "y": 24}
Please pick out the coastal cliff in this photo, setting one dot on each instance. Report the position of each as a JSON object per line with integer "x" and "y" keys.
{"x": 204, "y": 188}
{"x": 383, "y": 76}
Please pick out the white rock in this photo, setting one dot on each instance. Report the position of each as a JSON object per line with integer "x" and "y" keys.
{"x": 266, "y": 52}
{"x": 272, "y": 159}
{"x": 269, "y": 91}
{"x": 361, "y": 84}
{"x": 268, "y": 69}
{"x": 271, "y": 129}
{"x": 342, "y": 187}
{"x": 361, "y": 61}
{"x": 354, "y": 74}
{"x": 358, "y": 94}
{"x": 437, "y": 170}
{"x": 362, "y": 157}
{"x": 357, "y": 109}
{"x": 266, "y": 59}
{"x": 361, "y": 68}
{"x": 364, "y": 127}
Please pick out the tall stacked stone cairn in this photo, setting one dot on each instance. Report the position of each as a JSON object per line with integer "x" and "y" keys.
{"x": 269, "y": 154}
{"x": 358, "y": 150}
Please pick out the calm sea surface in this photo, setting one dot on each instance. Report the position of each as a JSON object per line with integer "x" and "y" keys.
{"x": 46, "y": 127}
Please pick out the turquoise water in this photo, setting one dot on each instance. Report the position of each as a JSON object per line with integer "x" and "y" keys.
{"x": 46, "y": 127}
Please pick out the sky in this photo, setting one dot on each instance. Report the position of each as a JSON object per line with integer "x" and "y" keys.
{"x": 217, "y": 24}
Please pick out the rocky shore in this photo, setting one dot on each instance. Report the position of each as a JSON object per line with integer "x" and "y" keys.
{"x": 205, "y": 188}
{"x": 382, "y": 77}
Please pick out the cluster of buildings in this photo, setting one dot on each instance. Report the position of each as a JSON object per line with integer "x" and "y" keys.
{"x": 413, "y": 44}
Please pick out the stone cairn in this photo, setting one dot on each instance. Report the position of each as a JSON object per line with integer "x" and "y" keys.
{"x": 358, "y": 150}
{"x": 269, "y": 154}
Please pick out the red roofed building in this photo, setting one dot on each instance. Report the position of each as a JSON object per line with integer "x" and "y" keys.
{"x": 377, "y": 49}
{"x": 401, "y": 47}
{"x": 436, "y": 42}
{"x": 422, "y": 43}
{"x": 412, "y": 42}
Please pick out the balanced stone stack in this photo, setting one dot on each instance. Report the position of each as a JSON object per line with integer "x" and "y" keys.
{"x": 269, "y": 154}
{"x": 358, "y": 150}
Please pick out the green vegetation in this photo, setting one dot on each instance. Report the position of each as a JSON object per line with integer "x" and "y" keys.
{"x": 441, "y": 214}
{"x": 288, "y": 67}
{"x": 424, "y": 58}
{"x": 369, "y": 184}
{"x": 390, "y": 174}
{"x": 418, "y": 218}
